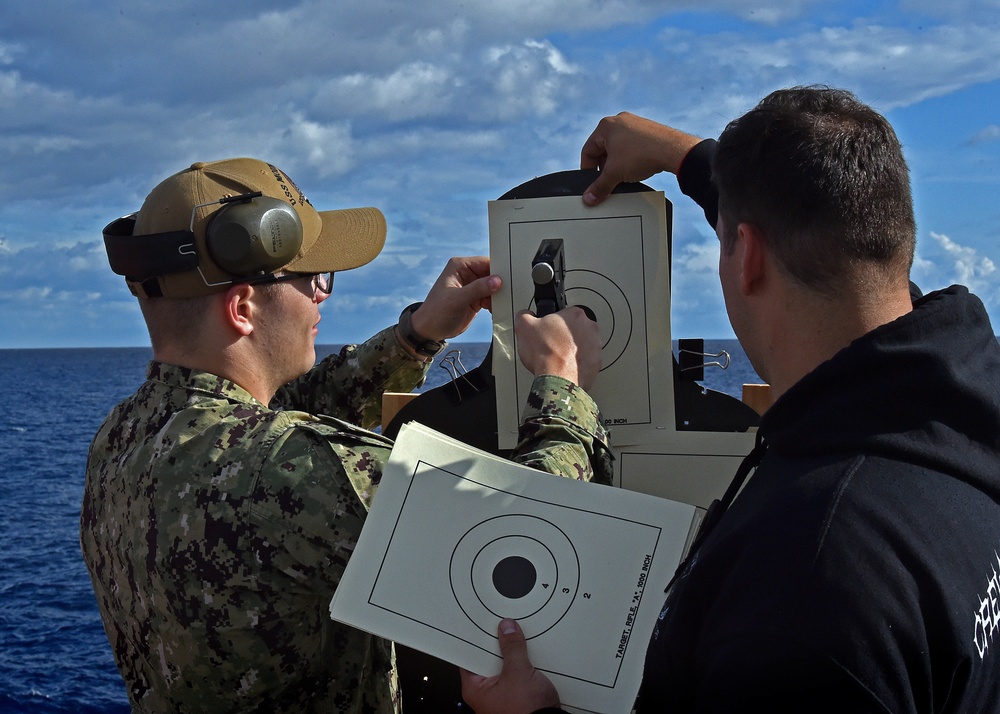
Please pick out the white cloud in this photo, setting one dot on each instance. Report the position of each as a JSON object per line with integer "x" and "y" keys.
{"x": 699, "y": 258}
{"x": 432, "y": 140}
{"x": 327, "y": 148}
{"x": 890, "y": 66}
{"x": 986, "y": 135}
{"x": 977, "y": 272}
{"x": 45, "y": 144}
{"x": 530, "y": 78}
{"x": 923, "y": 271}
{"x": 425, "y": 109}
{"x": 947, "y": 262}
{"x": 414, "y": 90}
{"x": 897, "y": 66}
{"x": 36, "y": 294}
{"x": 7, "y": 52}
{"x": 409, "y": 262}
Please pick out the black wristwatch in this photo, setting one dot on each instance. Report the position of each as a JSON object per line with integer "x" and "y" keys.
{"x": 423, "y": 348}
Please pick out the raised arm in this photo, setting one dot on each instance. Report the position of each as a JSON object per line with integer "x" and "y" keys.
{"x": 629, "y": 148}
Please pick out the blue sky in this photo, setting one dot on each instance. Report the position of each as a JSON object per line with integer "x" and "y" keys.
{"x": 430, "y": 110}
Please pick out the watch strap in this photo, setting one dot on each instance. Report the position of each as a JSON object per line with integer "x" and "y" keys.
{"x": 422, "y": 348}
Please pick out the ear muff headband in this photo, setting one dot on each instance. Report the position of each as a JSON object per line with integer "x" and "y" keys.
{"x": 250, "y": 235}
{"x": 154, "y": 254}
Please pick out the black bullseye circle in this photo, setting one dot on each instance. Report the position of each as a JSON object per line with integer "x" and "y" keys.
{"x": 514, "y": 577}
{"x": 518, "y": 566}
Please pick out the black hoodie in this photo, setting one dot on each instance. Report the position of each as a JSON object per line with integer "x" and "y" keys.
{"x": 858, "y": 569}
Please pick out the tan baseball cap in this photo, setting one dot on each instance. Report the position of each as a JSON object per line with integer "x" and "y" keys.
{"x": 331, "y": 240}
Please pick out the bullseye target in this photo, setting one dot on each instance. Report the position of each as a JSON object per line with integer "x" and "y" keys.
{"x": 516, "y": 566}
{"x": 458, "y": 540}
{"x": 614, "y": 262}
{"x": 610, "y": 306}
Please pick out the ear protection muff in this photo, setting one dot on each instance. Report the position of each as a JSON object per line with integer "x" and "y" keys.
{"x": 251, "y": 235}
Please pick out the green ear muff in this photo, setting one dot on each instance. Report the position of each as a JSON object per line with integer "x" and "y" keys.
{"x": 254, "y": 236}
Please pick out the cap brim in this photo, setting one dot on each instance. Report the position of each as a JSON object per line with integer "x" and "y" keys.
{"x": 348, "y": 238}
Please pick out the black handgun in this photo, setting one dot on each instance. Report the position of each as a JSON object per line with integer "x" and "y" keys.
{"x": 547, "y": 273}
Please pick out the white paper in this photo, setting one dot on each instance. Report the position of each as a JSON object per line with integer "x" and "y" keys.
{"x": 693, "y": 467}
{"x": 616, "y": 264}
{"x": 458, "y": 539}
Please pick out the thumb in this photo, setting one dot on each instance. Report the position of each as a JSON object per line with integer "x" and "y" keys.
{"x": 600, "y": 189}
{"x": 525, "y": 316}
{"x": 513, "y": 647}
{"x": 480, "y": 289}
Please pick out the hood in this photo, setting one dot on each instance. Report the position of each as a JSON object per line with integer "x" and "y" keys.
{"x": 923, "y": 389}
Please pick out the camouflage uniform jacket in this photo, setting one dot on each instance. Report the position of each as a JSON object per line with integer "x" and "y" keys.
{"x": 216, "y": 529}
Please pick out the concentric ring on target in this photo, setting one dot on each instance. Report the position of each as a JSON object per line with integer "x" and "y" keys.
{"x": 610, "y": 306}
{"x": 517, "y": 566}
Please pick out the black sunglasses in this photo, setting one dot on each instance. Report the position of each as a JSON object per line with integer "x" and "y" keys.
{"x": 320, "y": 281}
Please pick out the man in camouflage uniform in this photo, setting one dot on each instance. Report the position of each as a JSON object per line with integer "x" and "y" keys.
{"x": 223, "y": 499}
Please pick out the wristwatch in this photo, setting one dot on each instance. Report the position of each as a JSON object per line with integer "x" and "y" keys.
{"x": 421, "y": 347}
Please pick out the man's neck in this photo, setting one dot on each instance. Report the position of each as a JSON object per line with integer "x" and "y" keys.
{"x": 229, "y": 362}
{"x": 818, "y": 328}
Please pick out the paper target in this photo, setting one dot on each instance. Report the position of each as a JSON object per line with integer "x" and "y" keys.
{"x": 456, "y": 541}
{"x": 498, "y": 555}
{"x": 614, "y": 263}
{"x": 516, "y": 566}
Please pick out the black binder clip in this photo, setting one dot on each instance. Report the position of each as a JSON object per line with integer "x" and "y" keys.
{"x": 452, "y": 364}
{"x": 691, "y": 359}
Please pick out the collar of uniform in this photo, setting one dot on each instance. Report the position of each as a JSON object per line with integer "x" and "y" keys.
{"x": 196, "y": 380}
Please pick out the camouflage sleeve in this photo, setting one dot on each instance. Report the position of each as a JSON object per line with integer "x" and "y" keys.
{"x": 349, "y": 385}
{"x": 311, "y": 505}
{"x": 307, "y": 515}
{"x": 562, "y": 432}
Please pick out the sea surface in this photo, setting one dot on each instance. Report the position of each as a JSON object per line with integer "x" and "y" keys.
{"x": 54, "y": 656}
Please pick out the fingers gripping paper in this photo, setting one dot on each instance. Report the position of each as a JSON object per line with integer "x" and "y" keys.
{"x": 458, "y": 539}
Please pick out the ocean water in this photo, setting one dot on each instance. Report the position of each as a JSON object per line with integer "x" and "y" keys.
{"x": 54, "y": 656}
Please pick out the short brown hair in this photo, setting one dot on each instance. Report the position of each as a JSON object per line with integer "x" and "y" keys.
{"x": 823, "y": 176}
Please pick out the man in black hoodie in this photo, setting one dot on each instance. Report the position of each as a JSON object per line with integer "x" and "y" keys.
{"x": 853, "y": 564}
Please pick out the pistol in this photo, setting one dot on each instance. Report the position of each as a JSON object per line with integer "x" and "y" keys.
{"x": 547, "y": 273}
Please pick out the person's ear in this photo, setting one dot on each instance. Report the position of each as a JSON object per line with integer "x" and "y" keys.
{"x": 752, "y": 253}
{"x": 238, "y": 308}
